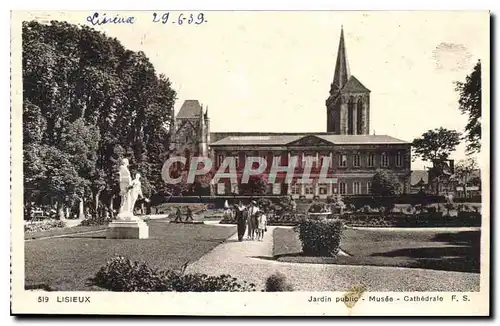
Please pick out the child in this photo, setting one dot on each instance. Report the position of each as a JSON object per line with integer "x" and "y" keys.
{"x": 261, "y": 225}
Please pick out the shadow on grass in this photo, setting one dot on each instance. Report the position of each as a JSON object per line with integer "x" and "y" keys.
{"x": 38, "y": 287}
{"x": 82, "y": 237}
{"x": 458, "y": 252}
{"x": 264, "y": 257}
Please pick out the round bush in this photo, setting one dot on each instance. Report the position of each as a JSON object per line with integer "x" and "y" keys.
{"x": 320, "y": 238}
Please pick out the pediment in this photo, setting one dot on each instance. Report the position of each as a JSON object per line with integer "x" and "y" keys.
{"x": 310, "y": 140}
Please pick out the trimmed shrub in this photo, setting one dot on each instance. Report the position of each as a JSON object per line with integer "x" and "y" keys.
{"x": 123, "y": 275}
{"x": 320, "y": 238}
{"x": 278, "y": 283}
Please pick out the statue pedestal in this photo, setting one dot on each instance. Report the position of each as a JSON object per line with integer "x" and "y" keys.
{"x": 135, "y": 229}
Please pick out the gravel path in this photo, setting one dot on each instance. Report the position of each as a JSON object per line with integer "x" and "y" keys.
{"x": 252, "y": 261}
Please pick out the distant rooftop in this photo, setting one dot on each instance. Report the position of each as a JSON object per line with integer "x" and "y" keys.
{"x": 190, "y": 109}
{"x": 227, "y": 139}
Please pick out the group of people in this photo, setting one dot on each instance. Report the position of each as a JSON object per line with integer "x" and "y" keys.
{"x": 251, "y": 218}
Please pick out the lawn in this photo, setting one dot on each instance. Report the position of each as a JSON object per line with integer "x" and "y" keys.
{"x": 428, "y": 249}
{"x": 66, "y": 263}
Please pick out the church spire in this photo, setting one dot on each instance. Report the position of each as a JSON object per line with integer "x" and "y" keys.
{"x": 342, "y": 73}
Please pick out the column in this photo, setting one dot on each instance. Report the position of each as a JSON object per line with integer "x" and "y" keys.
{"x": 316, "y": 187}
{"x": 366, "y": 122}
{"x": 343, "y": 118}
{"x": 355, "y": 117}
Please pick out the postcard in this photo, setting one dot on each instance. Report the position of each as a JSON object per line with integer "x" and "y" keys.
{"x": 250, "y": 163}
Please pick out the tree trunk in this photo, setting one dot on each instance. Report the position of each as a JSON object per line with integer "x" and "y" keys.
{"x": 465, "y": 187}
{"x": 110, "y": 207}
{"x": 97, "y": 203}
{"x": 60, "y": 210}
{"x": 81, "y": 213}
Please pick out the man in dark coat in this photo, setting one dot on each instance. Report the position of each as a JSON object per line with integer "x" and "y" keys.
{"x": 241, "y": 220}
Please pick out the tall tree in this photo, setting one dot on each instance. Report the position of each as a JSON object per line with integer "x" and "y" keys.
{"x": 464, "y": 170}
{"x": 88, "y": 103}
{"x": 385, "y": 183}
{"x": 470, "y": 104}
{"x": 256, "y": 185}
{"x": 435, "y": 146}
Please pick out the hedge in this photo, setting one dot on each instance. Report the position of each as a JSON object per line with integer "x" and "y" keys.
{"x": 120, "y": 274}
{"x": 320, "y": 238}
{"x": 429, "y": 219}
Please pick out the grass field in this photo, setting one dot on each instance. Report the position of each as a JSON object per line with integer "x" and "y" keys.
{"x": 429, "y": 249}
{"x": 66, "y": 263}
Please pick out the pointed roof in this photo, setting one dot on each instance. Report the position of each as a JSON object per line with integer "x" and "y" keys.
{"x": 354, "y": 85}
{"x": 190, "y": 109}
{"x": 342, "y": 72}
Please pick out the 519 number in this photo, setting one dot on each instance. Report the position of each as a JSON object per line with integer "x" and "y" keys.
{"x": 43, "y": 299}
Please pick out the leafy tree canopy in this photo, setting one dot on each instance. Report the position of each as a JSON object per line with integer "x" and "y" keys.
{"x": 88, "y": 102}
{"x": 436, "y": 145}
{"x": 470, "y": 104}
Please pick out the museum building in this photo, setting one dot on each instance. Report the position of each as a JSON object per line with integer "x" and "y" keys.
{"x": 354, "y": 155}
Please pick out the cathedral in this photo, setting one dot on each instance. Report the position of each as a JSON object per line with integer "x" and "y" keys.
{"x": 354, "y": 155}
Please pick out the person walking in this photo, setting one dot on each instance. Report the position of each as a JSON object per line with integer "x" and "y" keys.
{"x": 261, "y": 225}
{"x": 252, "y": 219}
{"x": 189, "y": 215}
{"x": 241, "y": 219}
{"x": 178, "y": 218}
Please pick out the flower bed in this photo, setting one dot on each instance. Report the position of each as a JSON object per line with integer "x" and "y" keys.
{"x": 274, "y": 220}
{"x": 436, "y": 219}
{"x": 44, "y": 225}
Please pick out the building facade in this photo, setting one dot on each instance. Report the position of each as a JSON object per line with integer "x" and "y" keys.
{"x": 353, "y": 154}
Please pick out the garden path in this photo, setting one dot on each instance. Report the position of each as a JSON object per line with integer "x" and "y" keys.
{"x": 252, "y": 261}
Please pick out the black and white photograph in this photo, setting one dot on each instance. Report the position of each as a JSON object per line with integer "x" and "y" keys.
{"x": 338, "y": 159}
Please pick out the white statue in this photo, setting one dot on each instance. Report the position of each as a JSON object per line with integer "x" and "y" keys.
{"x": 136, "y": 190}
{"x": 125, "y": 213}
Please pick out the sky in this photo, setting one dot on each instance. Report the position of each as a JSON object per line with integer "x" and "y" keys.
{"x": 271, "y": 71}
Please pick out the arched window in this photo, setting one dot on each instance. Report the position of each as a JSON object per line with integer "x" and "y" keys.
{"x": 359, "y": 117}
{"x": 350, "y": 116}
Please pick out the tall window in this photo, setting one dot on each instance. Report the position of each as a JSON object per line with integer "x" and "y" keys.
{"x": 220, "y": 159}
{"x": 384, "y": 160}
{"x": 350, "y": 117}
{"x": 399, "y": 159}
{"x": 368, "y": 187}
{"x": 236, "y": 159}
{"x": 359, "y": 117}
{"x": 371, "y": 160}
{"x": 323, "y": 189}
{"x": 356, "y": 189}
{"x": 296, "y": 189}
{"x": 309, "y": 190}
{"x": 342, "y": 188}
{"x": 343, "y": 160}
{"x": 356, "y": 160}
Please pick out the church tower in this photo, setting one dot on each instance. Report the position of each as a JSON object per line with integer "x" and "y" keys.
{"x": 348, "y": 106}
{"x": 190, "y": 131}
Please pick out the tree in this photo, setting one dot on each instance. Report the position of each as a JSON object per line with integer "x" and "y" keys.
{"x": 256, "y": 185}
{"x": 385, "y": 183}
{"x": 436, "y": 146}
{"x": 464, "y": 170}
{"x": 470, "y": 104}
{"x": 87, "y": 103}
